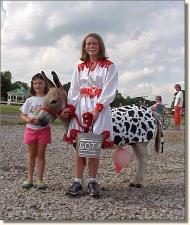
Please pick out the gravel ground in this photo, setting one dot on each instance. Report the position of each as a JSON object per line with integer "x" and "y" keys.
{"x": 162, "y": 197}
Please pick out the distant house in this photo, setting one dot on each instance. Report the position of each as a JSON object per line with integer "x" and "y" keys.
{"x": 18, "y": 95}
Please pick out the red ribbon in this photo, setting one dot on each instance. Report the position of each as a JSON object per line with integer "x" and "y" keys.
{"x": 91, "y": 91}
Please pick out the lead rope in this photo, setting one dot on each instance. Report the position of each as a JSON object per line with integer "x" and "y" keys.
{"x": 88, "y": 120}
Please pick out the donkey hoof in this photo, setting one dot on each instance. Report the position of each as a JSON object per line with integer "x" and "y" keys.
{"x": 132, "y": 185}
{"x": 135, "y": 185}
{"x": 138, "y": 185}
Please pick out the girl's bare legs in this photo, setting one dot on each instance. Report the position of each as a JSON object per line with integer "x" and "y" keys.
{"x": 31, "y": 160}
{"x": 93, "y": 164}
{"x": 41, "y": 149}
{"x": 93, "y": 188}
{"x": 79, "y": 166}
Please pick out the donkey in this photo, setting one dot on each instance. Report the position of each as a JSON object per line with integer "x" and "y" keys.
{"x": 54, "y": 102}
{"x": 132, "y": 125}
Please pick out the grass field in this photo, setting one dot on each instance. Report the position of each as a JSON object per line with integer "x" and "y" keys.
{"x": 10, "y": 108}
{"x": 15, "y": 109}
{"x": 56, "y": 122}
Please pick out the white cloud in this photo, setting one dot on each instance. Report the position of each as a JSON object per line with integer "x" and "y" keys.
{"x": 134, "y": 75}
{"x": 144, "y": 39}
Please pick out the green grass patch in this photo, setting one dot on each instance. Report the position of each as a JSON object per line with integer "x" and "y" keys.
{"x": 10, "y": 108}
{"x": 11, "y": 123}
{"x": 57, "y": 122}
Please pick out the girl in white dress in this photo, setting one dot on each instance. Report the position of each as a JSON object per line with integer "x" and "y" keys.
{"x": 93, "y": 88}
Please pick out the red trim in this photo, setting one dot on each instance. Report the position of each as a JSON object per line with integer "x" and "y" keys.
{"x": 91, "y": 91}
{"x": 67, "y": 139}
{"x": 88, "y": 119}
{"x": 81, "y": 67}
{"x": 74, "y": 133}
{"x": 102, "y": 63}
{"x": 72, "y": 108}
{"x": 105, "y": 63}
{"x": 106, "y": 143}
{"x": 99, "y": 107}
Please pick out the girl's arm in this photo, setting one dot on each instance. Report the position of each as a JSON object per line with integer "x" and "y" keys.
{"x": 27, "y": 119}
{"x": 153, "y": 107}
{"x": 109, "y": 88}
{"x": 108, "y": 91}
{"x": 74, "y": 90}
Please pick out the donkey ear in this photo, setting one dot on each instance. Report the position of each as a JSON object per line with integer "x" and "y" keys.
{"x": 56, "y": 79}
{"x": 50, "y": 83}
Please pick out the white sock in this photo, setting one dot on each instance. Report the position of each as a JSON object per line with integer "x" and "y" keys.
{"x": 92, "y": 179}
{"x": 79, "y": 180}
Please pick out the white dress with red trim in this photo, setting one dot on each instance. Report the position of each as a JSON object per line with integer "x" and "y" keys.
{"x": 92, "y": 89}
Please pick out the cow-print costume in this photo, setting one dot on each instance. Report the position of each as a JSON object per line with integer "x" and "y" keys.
{"x": 132, "y": 124}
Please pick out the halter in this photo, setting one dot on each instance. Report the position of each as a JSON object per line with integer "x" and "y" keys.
{"x": 51, "y": 112}
{"x": 88, "y": 124}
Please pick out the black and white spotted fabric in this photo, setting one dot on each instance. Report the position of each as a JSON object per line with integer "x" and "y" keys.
{"x": 132, "y": 124}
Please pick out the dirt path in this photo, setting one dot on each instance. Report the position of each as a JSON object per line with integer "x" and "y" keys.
{"x": 161, "y": 199}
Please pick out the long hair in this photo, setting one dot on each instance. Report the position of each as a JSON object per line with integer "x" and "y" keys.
{"x": 35, "y": 77}
{"x": 102, "y": 53}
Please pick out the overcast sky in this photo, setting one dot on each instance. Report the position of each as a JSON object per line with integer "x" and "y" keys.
{"x": 145, "y": 39}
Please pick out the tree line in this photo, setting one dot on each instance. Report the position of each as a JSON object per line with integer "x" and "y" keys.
{"x": 7, "y": 85}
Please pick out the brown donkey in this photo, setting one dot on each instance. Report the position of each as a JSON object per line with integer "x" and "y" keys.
{"x": 54, "y": 103}
{"x": 131, "y": 125}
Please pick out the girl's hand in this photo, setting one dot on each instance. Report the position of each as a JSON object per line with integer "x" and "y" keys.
{"x": 95, "y": 114}
{"x": 32, "y": 120}
{"x": 65, "y": 114}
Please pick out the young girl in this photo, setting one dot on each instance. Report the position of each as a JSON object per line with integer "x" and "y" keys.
{"x": 36, "y": 137}
{"x": 93, "y": 88}
{"x": 158, "y": 106}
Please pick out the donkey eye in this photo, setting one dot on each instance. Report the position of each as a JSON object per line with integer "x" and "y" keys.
{"x": 53, "y": 102}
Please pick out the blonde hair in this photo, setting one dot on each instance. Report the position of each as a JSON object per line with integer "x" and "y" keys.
{"x": 102, "y": 53}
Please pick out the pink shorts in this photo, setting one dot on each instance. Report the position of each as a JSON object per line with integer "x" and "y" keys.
{"x": 42, "y": 136}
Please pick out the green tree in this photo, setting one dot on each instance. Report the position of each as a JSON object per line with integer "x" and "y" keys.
{"x": 19, "y": 84}
{"x": 119, "y": 100}
{"x": 5, "y": 84}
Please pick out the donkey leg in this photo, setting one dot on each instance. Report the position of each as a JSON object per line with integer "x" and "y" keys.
{"x": 140, "y": 150}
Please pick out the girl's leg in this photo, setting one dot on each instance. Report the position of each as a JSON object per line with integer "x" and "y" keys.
{"x": 41, "y": 149}
{"x": 31, "y": 160}
{"x": 93, "y": 167}
{"x": 76, "y": 187}
{"x": 93, "y": 188}
{"x": 79, "y": 166}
